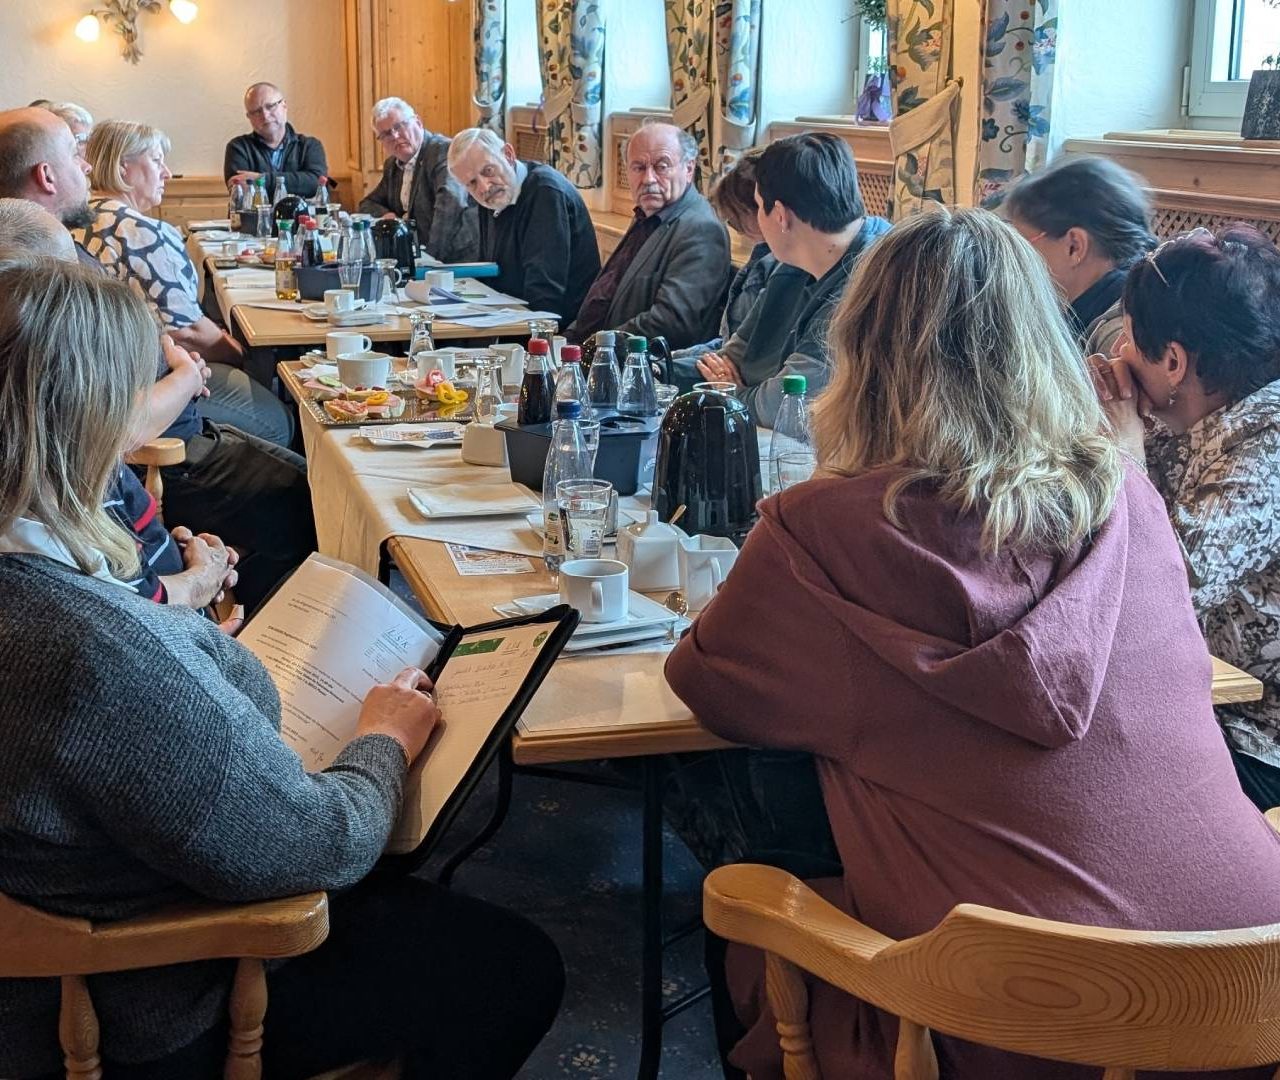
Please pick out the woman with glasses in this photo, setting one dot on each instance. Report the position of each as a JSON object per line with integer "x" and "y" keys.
{"x": 1089, "y": 219}
{"x": 978, "y": 622}
{"x": 1202, "y": 316}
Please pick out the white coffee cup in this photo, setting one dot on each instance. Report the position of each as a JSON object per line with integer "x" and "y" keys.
{"x": 232, "y": 248}
{"x": 597, "y": 588}
{"x": 364, "y": 368}
{"x": 337, "y": 301}
{"x": 705, "y": 562}
{"x": 512, "y": 356}
{"x": 439, "y": 279}
{"x": 337, "y": 343}
{"x": 441, "y": 358}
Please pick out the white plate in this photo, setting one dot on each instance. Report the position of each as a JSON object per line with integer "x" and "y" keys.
{"x": 218, "y": 234}
{"x": 419, "y": 436}
{"x": 319, "y": 311}
{"x": 645, "y": 619}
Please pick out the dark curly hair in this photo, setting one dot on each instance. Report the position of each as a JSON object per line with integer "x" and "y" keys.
{"x": 1218, "y": 296}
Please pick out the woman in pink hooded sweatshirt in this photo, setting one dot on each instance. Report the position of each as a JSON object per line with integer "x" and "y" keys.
{"x": 978, "y": 622}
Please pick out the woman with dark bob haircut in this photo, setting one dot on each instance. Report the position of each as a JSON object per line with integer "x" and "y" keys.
{"x": 1203, "y": 357}
{"x": 1089, "y": 219}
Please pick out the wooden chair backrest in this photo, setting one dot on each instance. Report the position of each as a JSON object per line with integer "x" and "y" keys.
{"x": 34, "y": 944}
{"x": 1121, "y": 1000}
{"x": 155, "y": 455}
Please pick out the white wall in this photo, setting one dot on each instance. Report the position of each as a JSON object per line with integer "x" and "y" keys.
{"x": 191, "y": 79}
{"x": 1119, "y": 66}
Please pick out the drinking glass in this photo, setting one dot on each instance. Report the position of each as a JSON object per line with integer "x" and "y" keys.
{"x": 488, "y": 387}
{"x": 389, "y": 270}
{"x": 584, "y": 516}
{"x": 729, "y": 388}
{"x": 666, "y": 394}
{"x": 793, "y": 467}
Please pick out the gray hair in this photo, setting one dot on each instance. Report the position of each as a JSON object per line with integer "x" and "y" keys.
{"x": 71, "y": 113}
{"x": 384, "y": 108}
{"x": 687, "y": 143}
{"x": 469, "y": 137}
{"x": 28, "y": 229}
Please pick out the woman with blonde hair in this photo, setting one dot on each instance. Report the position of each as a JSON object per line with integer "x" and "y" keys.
{"x": 239, "y": 481}
{"x": 980, "y": 626}
{"x": 143, "y": 767}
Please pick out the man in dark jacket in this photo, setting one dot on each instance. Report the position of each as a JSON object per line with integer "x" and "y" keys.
{"x": 416, "y": 185}
{"x": 670, "y": 272}
{"x": 812, "y": 217}
{"x": 533, "y": 224}
{"x": 273, "y": 149}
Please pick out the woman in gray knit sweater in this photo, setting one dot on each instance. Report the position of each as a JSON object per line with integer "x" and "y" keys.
{"x": 143, "y": 765}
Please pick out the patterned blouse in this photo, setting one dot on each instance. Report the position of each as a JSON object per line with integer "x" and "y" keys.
{"x": 1221, "y": 483}
{"x": 149, "y": 255}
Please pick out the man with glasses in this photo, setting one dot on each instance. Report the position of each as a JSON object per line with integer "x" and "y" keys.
{"x": 273, "y": 149}
{"x": 670, "y": 272}
{"x": 416, "y": 185}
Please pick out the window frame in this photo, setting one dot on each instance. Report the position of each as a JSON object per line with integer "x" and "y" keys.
{"x": 1209, "y": 98}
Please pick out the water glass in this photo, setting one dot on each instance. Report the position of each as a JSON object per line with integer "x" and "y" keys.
{"x": 666, "y": 394}
{"x": 389, "y": 271}
{"x": 584, "y": 516}
{"x": 793, "y": 467}
{"x": 729, "y": 388}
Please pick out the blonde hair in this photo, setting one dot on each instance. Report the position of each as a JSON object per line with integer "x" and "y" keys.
{"x": 953, "y": 361}
{"x": 76, "y": 353}
{"x": 114, "y": 142}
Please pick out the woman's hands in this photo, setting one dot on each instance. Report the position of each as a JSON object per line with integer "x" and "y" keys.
{"x": 187, "y": 368}
{"x": 1123, "y": 401}
{"x": 210, "y": 569}
{"x": 404, "y": 708}
{"x": 716, "y": 367}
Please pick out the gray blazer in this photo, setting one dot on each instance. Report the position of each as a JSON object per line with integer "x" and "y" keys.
{"x": 448, "y": 220}
{"x": 676, "y": 284}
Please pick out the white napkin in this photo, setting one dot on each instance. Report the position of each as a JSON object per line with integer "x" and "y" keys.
{"x": 473, "y": 500}
{"x": 317, "y": 371}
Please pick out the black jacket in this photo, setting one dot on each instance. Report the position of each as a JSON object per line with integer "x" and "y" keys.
{"x": 544, "y": 245}
{"x": 302, "y": 166}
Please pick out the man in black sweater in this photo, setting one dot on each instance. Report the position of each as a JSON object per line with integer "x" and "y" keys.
{"x": 533, "y": 224}
{"x": 273, "y": 149}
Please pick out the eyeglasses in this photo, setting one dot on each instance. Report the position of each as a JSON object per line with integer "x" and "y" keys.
{"x": 262, "y": 110}
{"x": 1199, "y": 232}
{"x": 81, "y": 139}
{"x": 396, "y": 130}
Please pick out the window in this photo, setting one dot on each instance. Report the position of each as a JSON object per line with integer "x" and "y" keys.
{"x": 1231, "y": 39}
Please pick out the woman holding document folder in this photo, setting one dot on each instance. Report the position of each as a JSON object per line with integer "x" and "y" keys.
{"x": 143, "y": 765}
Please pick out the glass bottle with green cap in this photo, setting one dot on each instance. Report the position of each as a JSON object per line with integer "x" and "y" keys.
{"x": 791, "y": 456}
{"x": 638, "y": 396}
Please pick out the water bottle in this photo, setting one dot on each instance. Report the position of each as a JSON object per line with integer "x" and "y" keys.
{"x": 280, "y": 191}
{"x": 569, "y": 457}
{"x": 791, "y": 455}
{"x": 602, "y": 379}
{"x": 263, "y": 219}
{"x": 571, "y": 384}
{"x": 638, "y": 396}
{"x": 235, "y": 203}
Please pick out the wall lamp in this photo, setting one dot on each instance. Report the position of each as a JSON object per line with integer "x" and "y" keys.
{"x": 121, "y": 16}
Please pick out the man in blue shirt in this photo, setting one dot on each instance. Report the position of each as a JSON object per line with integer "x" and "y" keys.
{"x": 273, "y": 149}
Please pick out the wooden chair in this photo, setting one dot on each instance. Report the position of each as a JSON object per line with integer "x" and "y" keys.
{"x": 1121, "y": 1000}
{"x": 155, "y": 455}
{"x": 34, "y": 944}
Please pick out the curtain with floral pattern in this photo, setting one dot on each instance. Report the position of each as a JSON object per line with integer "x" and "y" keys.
{"x": 491, "y": 63}
{"x": 1019, "y": 48}
{"x": 690, "y": 39}
{"x": 925, "y": 104}
{"x": 737, "y": 80}
{"x": 571, "y": 57}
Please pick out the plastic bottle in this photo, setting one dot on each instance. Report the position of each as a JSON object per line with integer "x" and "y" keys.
{"x": 235, "y": 203}
{"x": 280, "y": 191}
{"x": 286, "y": 264}
{"x": 569, "y": 457}
{"x": 602, "y": 379}
{"x": 537, "y": 391}
{"x": 571, "y": 384}
{"x": 791, "y": 437}
{"x": 262, "y": 209}
{"x": 638, "y": 396}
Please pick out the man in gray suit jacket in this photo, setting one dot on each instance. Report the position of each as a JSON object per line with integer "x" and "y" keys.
{"x": 416, "y": 184}
{"x": 670, "y": 272}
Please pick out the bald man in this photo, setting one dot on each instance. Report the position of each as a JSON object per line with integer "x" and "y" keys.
{"x": 273, "y": 149}
{"x": 41, "y": 162}
{"x": 670, "y": 272}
